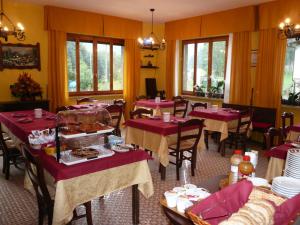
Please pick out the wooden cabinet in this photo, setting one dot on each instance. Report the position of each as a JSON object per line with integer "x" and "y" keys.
{"x": 23, "y": 105}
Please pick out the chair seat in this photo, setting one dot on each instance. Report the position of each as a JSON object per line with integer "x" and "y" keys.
{"x": 184, "y": 145}
{"x": 242, "y": 130}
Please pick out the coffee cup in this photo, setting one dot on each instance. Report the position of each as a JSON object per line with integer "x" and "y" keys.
{"x": 38, "y": 113}
{"x": 171, "y": 197}
{"x": 166, "y": 117}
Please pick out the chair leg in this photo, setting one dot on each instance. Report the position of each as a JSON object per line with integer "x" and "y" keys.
{"x": 162, "y": 172}
{"x": 50, "y": 215}
{"x": 206, "y": 139}
{"x": 7, "y": 168}
{"x": 88, "y": 208}
{"x": 194, "y": 159}
{"x": 177, "y": 165}
{"x": 41, "y": 214}
{"x": 3, "y": 165}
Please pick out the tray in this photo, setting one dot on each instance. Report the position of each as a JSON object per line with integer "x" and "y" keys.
{"x": 68, "y": 159}
{"x": 68, "y": 136}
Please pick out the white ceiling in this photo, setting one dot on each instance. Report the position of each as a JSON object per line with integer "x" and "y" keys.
{"x": 165, "y": 10}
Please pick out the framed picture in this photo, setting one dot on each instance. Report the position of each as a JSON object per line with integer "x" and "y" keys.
{"x": 253, "y": 58}
{"x": 19, "y": 56}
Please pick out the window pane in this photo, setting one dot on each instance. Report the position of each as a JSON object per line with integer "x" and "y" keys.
{"x": 86, "y": 66}
{"x": 218, "y": 65}
{"x": 188, "y": 67}
{"x": 71, "y": 61}
{"x": 103, "y": 67}
{"x": 202, "y": 65}
{"x": 289, "y": 70}
{"x": 118, "y": 67}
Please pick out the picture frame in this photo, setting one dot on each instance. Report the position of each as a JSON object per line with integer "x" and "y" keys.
{"x": 19, "y": 56}
{"x": 254, "y": 57}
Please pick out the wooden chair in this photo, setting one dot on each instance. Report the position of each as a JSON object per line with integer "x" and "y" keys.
{"x": 116, "y": 115}
{"x": 35, "y": 171}
{"x": 140, "y": 113}
{"x": 62, "y": 108}
{"x": 141, "y": 97}
{"x": 186, "y": 142}
{"x": 120, "y": 102}
{"x": 274, "y": 137}
{"x": 238, "y": 135}
{"x": 11, "y": 155}
{"x": 180, "y": 107}
{"x": 176, "y": 98}
{"x": 199, "y": 104}
{"x": 85, "y": 100}
{"x": 287, "y": 116}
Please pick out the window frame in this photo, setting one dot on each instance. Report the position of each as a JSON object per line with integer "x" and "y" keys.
{"x": 210, "y": 52}
{"x": 77, "y": 38}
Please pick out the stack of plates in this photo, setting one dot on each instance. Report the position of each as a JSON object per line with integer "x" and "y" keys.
{"x": 286, "y": 186}
{"x": 292, "y": 164}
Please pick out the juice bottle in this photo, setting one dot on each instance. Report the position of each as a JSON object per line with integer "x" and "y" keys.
{"x": 245, "y": 167}
{"x": 235, "y": 160}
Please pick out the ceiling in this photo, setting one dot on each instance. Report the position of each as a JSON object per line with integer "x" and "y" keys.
{"x": 165, "y": 10}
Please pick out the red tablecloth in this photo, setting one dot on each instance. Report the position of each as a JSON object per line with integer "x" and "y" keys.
{"x": 151, "y": 104}
{"x": 89, "y": 106}
{"x": 154, "y": 125}
{"x": 219, "y": 115}
{"x": 295, "y": 128}
{"x": 62, "y": 172}
{"x": 22, "y": 130}
{"x": 279, "y": 152}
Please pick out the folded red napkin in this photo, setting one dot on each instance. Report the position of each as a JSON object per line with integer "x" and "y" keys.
{"x": 279, "y": 151}
{"x": 220, "y": 205}
{"x": 287, "y": 211}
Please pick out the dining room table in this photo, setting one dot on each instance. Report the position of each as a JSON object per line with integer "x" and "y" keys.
{"x": 72, "y": 185}
{"x": 155, "y": 135}
{"x": 217, "y": 120}
{"x": 163, "y": 105}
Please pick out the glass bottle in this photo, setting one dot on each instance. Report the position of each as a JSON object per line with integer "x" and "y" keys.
{"x": 245, "y": 167}
{"x": 235, "y": 160}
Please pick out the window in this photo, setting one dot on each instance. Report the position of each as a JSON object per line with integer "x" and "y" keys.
{"x": 291, "y": 81}
{"x": 95, "y": 65}
{"x": 204, "y": 65}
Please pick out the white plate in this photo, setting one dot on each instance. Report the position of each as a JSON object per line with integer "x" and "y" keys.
{"x": 190, "y": 186}
{"x": 287, "y": 183}
{"x": 179, "y": 190}
{"x": 199, "y": 193}
{"x": 119, "y": 149}
{"x": 295, "y": 145}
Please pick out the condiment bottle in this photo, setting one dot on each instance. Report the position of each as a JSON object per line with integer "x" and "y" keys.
{"x": 245, "y": 167}
{"x": 235, "y": 160}
{"x": 157, "y": 111}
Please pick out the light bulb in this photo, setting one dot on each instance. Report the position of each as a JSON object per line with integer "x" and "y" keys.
{"x": 140, "y": 40}
{"x": 297, "y": 26}
{"x": 281, "y": 26}
{"x": 5, "y": 28}
{"x": 20, "y": 26}
{"x": 163, "y": 41}
{"x": 287, "y": 20}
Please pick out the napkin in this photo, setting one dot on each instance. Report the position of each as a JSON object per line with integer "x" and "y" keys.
{"x": 220, "y": 205}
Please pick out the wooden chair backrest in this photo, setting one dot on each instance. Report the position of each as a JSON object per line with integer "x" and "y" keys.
{"x": 274, "y": 134}
{"x": 85, "y": 100}
{"x": 199, "y": 104}
{"x": 284, "y": 117}
{"x": 140, "y": 113}
{"x": 115, "y": 113}
{"x": 35, "y": 171}
{"x": 180, "y": 107}
{"x": 193, "y": 124}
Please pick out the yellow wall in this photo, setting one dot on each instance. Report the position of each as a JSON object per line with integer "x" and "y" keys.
{"x": 32, "y": 18}
{"x": 158, "y": 60}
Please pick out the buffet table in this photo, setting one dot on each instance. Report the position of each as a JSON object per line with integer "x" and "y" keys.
{"x": 80, "y": 183}
{"x": 164, "y": 105}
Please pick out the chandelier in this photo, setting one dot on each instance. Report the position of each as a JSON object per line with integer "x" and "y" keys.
{"x": 7, "y": 28}
{"x": 151, "y": 41}
{"x": 289, "y": 30}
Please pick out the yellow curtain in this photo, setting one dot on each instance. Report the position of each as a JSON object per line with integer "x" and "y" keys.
{"x": 240, "y": 80}
{"x": 270, "y": 69}
{"x": 57, "y": 70}
{"x": 131, "y": 73}
{"x": 170, "y": 68}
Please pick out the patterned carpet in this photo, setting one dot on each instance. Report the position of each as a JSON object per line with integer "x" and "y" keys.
{"x": 19, "y": 207}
